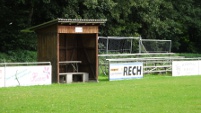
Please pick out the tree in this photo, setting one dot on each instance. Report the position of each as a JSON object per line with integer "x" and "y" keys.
{"x": 15, "y": 16}
{"x": 179, "y": 21}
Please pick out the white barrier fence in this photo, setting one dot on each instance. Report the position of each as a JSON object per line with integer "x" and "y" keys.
{"x": 25, "y": 74}
{"x": 179, "y": 66}
{"x": 186, "y": 68}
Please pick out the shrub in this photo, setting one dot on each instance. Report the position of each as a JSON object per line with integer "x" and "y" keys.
{"x": 19, "y": 56}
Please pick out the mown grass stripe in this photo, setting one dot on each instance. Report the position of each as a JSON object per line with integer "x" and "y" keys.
{"x": 153, "y": 94}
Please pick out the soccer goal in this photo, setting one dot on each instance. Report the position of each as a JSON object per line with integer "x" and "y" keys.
{"x": 115, "y": 44}
{"x": 155, "y": 46}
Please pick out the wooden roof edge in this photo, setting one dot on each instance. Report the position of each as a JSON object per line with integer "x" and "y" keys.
{"x": 45, "y": 24}
{"x": 64, "y": 21}
{"x": 101, "y": 21}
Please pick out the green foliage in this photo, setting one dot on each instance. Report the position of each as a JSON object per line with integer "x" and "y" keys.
{"x": 3, "y": 57}
{"x": 18, "y": 56}
{"x": 178, "y": 21}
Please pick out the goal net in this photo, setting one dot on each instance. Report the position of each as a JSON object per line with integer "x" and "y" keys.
{"x": 115, "y": 45}
{"x": 154, "y": 46}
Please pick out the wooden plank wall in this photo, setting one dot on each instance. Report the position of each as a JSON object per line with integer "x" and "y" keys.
{"x": 71, "y": 29}
{"x": 47, "y": 48}
{"x": 87, "y": 54}
{"x": 67, "y": 50}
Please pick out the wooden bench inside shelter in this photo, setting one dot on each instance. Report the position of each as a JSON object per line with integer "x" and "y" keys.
{"x": 75, "y": 76}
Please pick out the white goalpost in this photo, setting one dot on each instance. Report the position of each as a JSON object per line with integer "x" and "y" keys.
{"x": 154, "y": 46}
{"x": 116, "y": 44}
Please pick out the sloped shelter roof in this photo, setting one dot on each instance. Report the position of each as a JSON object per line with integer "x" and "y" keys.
{"x": 67, "y": 22}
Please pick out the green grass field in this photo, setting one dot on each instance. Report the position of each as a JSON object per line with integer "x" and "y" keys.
{"x": 152, "y": 94}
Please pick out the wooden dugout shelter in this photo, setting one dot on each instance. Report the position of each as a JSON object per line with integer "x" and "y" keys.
{"x": 63, "y": 40}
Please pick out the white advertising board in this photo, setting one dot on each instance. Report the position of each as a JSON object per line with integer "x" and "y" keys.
{"x": 186, "y": 68}
{"x": 1, "y": 77}
{"x": 199, "y": 68}
{"x": 27, "y": 75}
{"x": 120, "y": 71}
